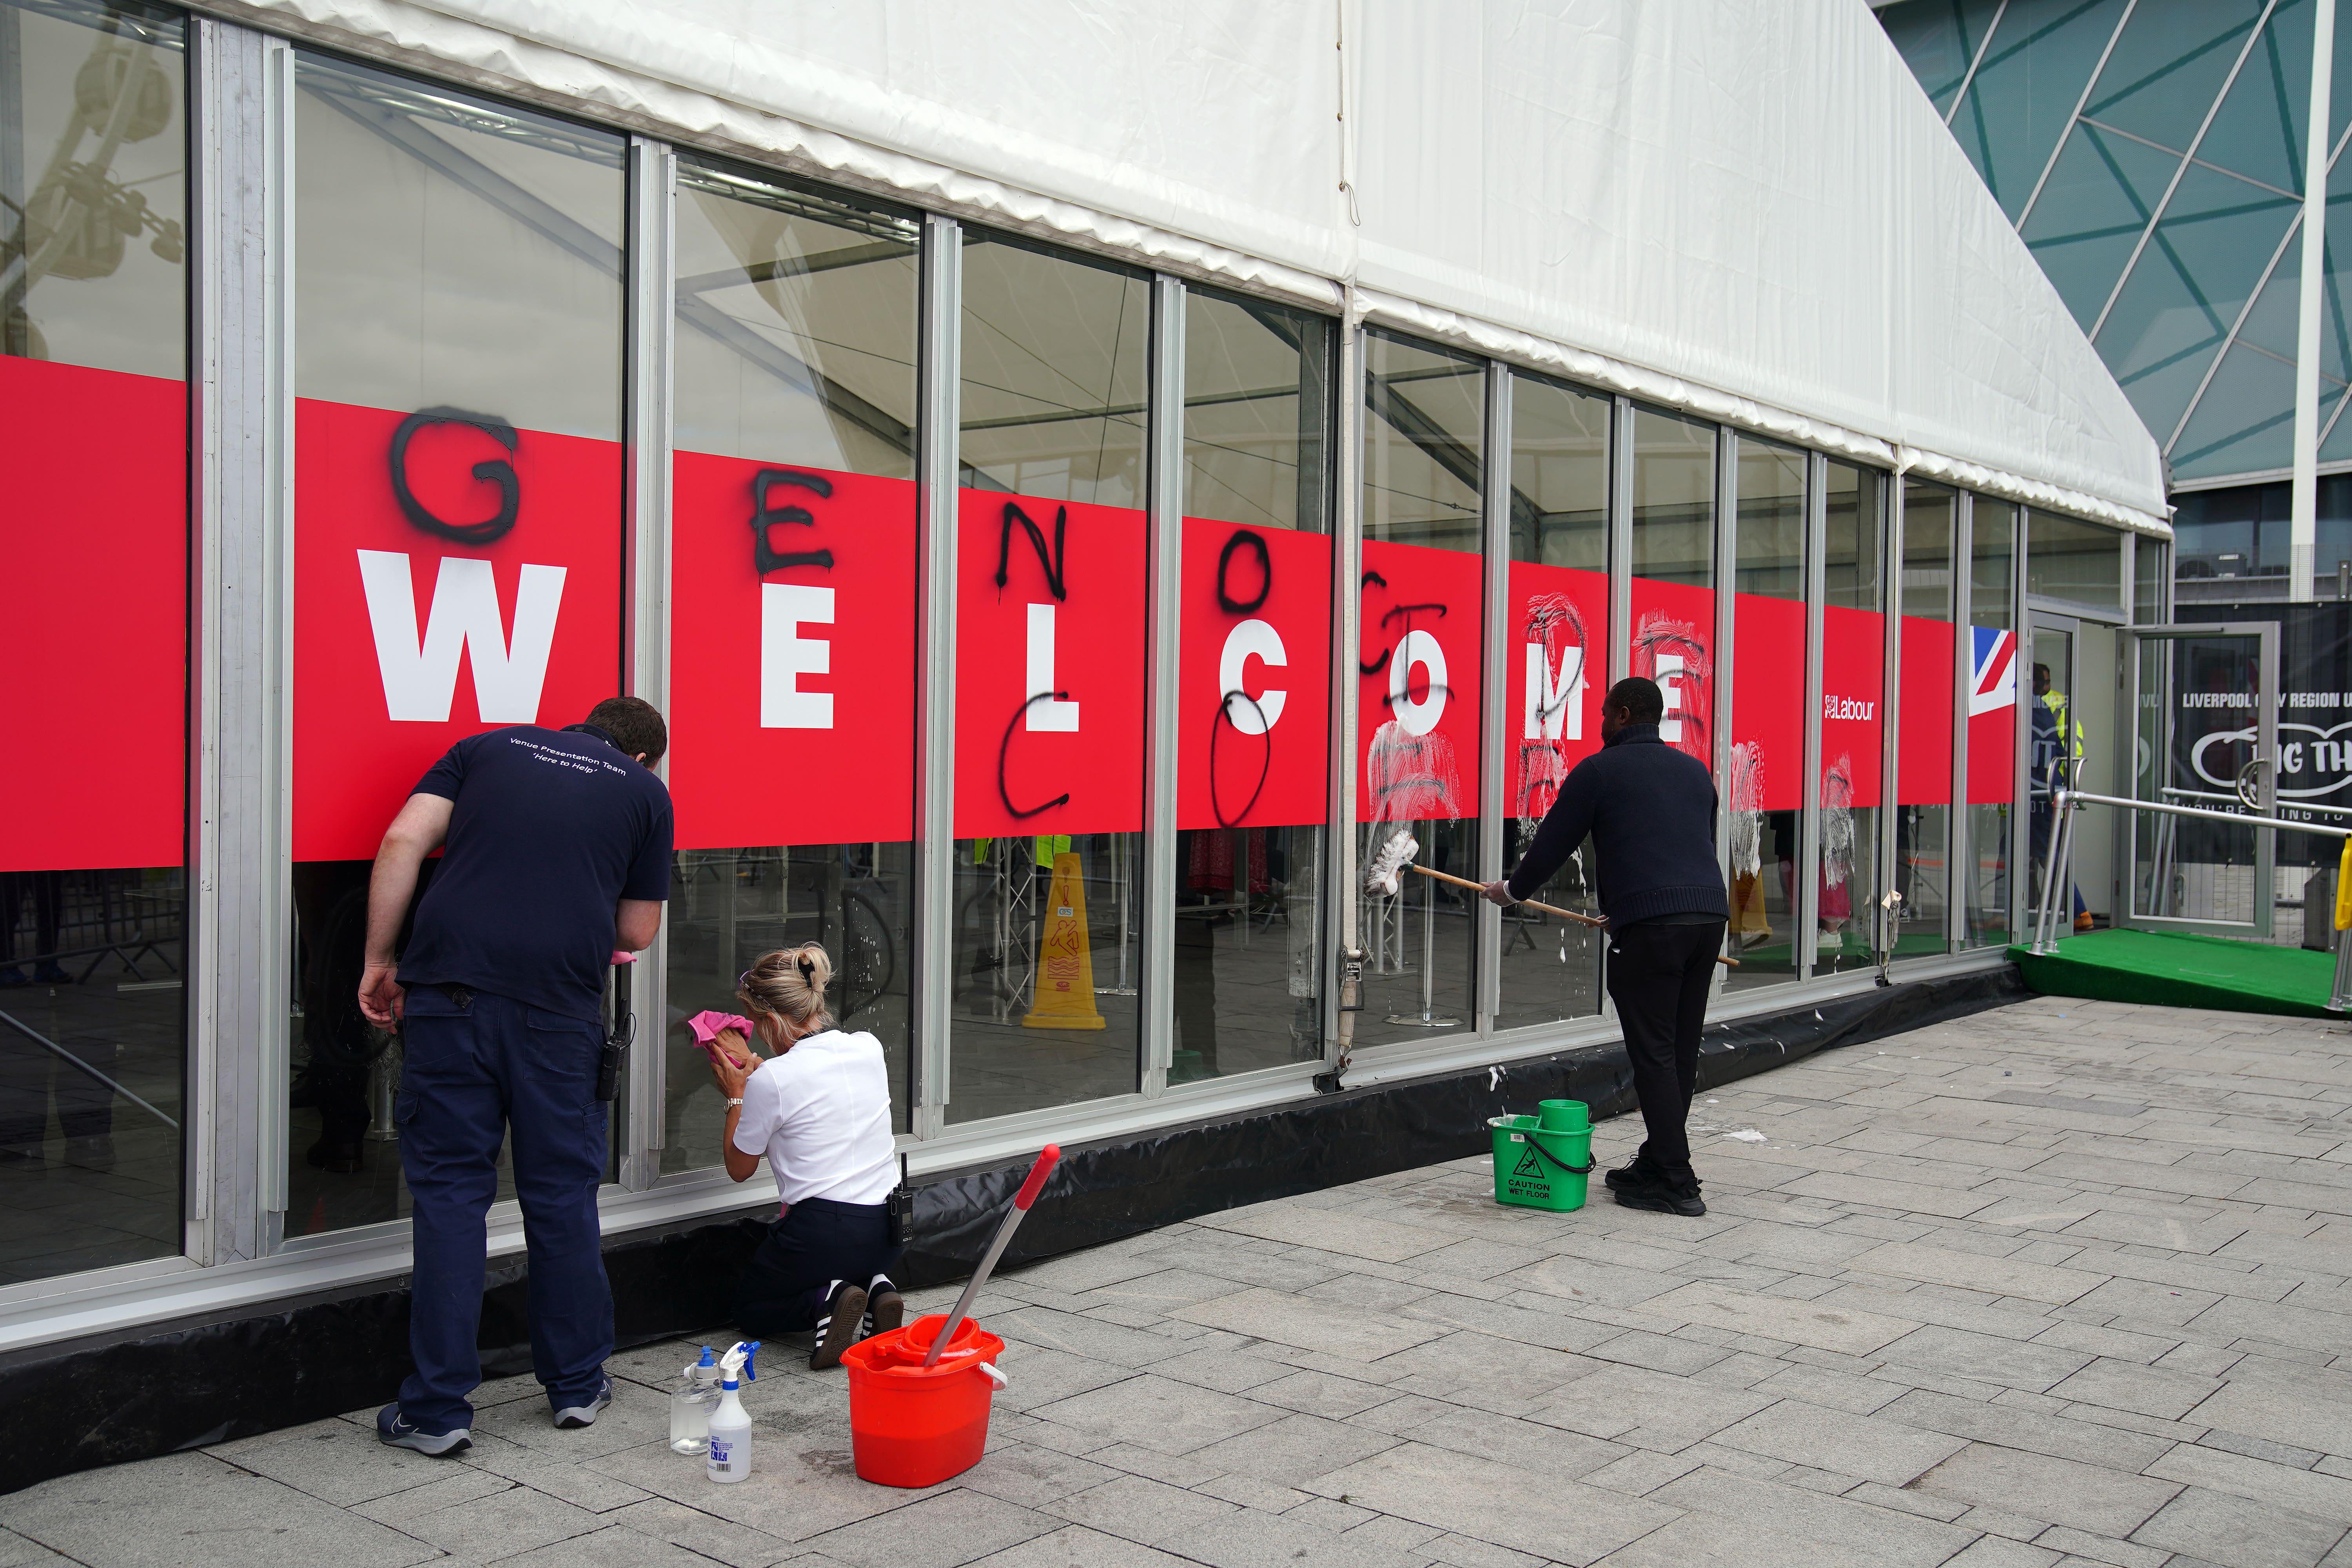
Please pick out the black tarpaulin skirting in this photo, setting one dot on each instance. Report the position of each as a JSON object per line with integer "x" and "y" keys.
{"x": 168, "y": 1386}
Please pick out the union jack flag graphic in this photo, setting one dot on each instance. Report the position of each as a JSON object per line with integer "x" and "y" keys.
{"x": 1992, "y": 670}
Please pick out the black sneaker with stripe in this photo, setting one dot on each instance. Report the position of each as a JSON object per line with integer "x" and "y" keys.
{"x": 837, "y": 1323}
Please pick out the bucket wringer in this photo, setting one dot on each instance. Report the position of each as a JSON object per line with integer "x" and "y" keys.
{"x": 918, "y": 1395}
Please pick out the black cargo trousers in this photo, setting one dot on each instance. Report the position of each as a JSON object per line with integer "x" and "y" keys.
{"x": 1659, "y": 973}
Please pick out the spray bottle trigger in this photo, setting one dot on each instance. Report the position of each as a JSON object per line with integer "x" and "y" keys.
{"x": 750, "y": 1368}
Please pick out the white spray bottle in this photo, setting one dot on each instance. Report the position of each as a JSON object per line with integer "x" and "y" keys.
{"x": 729, "y": 1458}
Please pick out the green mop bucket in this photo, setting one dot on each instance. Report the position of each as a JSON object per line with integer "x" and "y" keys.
{"x": 1542, "y": 1162}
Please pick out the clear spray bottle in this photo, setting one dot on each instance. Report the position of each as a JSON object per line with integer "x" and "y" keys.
{"x": 729, "y": 1458}
{"x": 690, "y": 1404}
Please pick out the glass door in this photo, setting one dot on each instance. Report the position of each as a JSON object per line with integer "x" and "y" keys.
{"x": 2205, "y": 735}
{"x": 2054, "y": 754}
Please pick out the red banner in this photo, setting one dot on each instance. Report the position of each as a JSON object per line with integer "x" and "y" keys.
{"x": 1051, "y": 601}
{"x": 792, "y": 650}
{"x": 1923, "y": 749}
{"x": 1767, "y": 703}
{"x": 1854, "y": 707}
{"x": 1672, "y": 643}
{"x": 1417, "y": 696}
{"x": 95, "y": 599}
{"x": 425, "y": 545}
{"x": 1556, "y": 671}
{"x": 1254, "y": 708}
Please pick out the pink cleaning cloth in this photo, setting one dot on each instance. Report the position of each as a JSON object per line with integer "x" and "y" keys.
{"x": 620, "y": 957}
{"x": 706, "y": 1026}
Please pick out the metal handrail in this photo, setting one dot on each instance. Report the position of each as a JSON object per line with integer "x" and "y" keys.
{"x": 2057, "y": 877}
{"x": 2299, "y": 806}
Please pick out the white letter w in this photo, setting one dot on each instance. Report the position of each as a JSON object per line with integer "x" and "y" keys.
{"x": 419, "y": 680}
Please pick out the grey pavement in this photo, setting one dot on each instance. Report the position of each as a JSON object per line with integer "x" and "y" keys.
{"x": 2069, "y": 1282}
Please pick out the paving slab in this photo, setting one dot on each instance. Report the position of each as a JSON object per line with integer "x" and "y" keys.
{"x": 2062, "y": 1284}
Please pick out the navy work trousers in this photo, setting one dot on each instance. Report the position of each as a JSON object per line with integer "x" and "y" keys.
{"x": 471, "y": 1074}
{"x": 818, "y": 1242}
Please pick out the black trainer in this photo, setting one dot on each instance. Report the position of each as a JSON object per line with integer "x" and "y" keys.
{"x": 885, "y": 1308}
{"x": 838, "y": 1323}
{"x": 1633, "y": 1173}
{"x": 1650, "y": 1189}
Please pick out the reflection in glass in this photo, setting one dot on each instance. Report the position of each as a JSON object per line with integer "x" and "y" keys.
{"x": 1766, "y": 796}
{"x": 2078, "y": 561}
{"x": 728, "y": 907}
{"x": 2152, "y": 560}
{"x": 1853, "y": 695}
{"x": 1555, "y": 663}
{"x": 1418, "y": 720}
{"x": 1056, "y": 362}
{"x": 449, "y": 253}
{"x": 1993, "y": 683}
{"x": 93, "y": 908}
{"x": 1923, "y": 770}
{"x": 795, "y": 345}
{"x": 92, "y": 146}
{"x": 1249, "y": 907}
{"x": 1673, "y": 634}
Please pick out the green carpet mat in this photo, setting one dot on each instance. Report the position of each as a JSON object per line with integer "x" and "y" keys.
{"x": 2180, "y": 970}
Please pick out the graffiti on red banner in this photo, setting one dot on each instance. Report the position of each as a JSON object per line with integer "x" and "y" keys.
{"x": 426, "y": 544}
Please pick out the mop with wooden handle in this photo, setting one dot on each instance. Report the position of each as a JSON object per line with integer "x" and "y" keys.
{"x": 1396, "y": 856}
{"x": 1012, "y": 1218}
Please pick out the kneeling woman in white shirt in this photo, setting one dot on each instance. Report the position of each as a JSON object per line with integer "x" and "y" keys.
{"x": 820, "y": 1111}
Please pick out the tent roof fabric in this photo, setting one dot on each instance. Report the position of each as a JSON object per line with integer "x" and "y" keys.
{"x": 1750, "y": 211}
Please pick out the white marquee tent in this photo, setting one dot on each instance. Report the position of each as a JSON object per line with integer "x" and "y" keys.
{"x": 1748, "y": 210}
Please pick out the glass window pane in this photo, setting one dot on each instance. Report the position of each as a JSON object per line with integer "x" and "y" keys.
{"x": 2150, "y": 561}
{"x": 1673, "y": 634}
{"x": 1766, "y": 797}
{"x": 1992, "y": 719}
{"x": 1417, "y": 698}
{"x": 1854, "y": 706}
{"x": 1253, "y": 735}
{"x": 1555, "y": 659}
{"x": 1923, "y": 760}
{"x": 792, "y": 589}
{"x": 2079, "y": 562}
{"x": 93, "y": 898}
{"x": 1050, "y": 666}
{"x": 459, "y": 486}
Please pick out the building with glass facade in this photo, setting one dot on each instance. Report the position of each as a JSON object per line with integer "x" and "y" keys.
{"x": 1070, "y": 518}
{"x": 2154, "y": 156}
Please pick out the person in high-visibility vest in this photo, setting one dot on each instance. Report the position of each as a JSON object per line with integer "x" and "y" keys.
{"x": 2050, "y": 774}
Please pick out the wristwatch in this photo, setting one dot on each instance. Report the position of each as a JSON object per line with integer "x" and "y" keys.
{"x": 734, "y": 1102}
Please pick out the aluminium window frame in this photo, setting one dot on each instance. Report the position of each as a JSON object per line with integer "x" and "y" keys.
{"x": 241, "y": 226}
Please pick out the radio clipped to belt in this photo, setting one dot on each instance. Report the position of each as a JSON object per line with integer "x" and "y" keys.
{"x": 619, "y": 1032}
{"x": 901, "y": 1207}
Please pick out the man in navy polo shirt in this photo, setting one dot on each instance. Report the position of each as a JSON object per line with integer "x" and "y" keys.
{"x": 558, "y": 845}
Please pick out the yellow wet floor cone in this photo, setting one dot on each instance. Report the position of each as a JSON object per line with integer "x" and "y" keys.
{"x": 1065, "y": 966}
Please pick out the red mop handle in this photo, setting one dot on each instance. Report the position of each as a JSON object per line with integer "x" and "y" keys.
{"x": 1037, "y": 1174}
{"x": 1012, "y": 1217}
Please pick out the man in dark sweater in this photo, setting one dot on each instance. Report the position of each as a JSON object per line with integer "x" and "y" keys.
{"x": 1650, "y": 812}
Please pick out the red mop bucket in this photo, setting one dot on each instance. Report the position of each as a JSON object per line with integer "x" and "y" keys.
{"x": 918, "y": 1395}
{"x": 915, "y": 1425}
